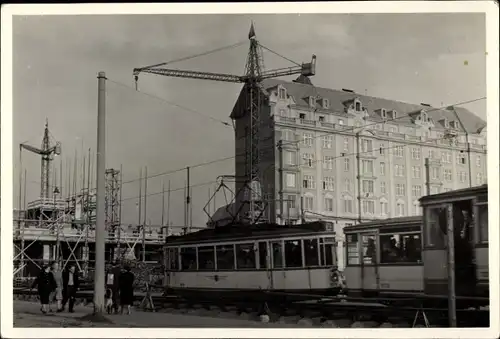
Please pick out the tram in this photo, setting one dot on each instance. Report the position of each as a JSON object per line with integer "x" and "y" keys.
{"x": 408, "y": 256}
{"x": 248, "y": 261}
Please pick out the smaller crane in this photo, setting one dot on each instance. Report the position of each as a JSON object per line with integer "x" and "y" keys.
{"x": 47, "y": 152}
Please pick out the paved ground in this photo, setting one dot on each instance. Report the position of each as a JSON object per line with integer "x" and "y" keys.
{"x": 27, "y": 314}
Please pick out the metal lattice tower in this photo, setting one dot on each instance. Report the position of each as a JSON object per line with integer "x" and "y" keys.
{"x": 112, "y": 199}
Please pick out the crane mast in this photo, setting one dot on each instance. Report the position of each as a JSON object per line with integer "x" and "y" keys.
{"x": 47, "y": 153}
{"x": 254, "y": 75}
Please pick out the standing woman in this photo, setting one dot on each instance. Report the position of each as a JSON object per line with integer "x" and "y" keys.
{"x": 127, "y": 289}
{"x": 58, "y": 293}
{"x": 46, "y": 285}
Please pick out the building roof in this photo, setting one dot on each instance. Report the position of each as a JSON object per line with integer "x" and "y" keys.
{"x": 455, "y": 194}
{"x": 407, "y": 221}
{"x": 301, "y": 91}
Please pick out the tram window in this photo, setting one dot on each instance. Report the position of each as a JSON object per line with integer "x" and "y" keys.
{"x": 225, "y": 257}
{"x": 482, "y": 212}
{"x": 206, "y": 258}
{"x": 277, "y": 249}
{"x": 369, "y": 249}
{"x": 400, "y": 248}
{"x": 173, "y": 259}
{"x": 188, "y": 258}
{"x": 263, "y": 255}
{"x": 293, "y": 253}
{"x": 327, "y": 251}
{"x": 352, "y": 249}
{"x": 311, "y": 252}
{"x": 436, "y": 226}
{"x": 245, "y": 256}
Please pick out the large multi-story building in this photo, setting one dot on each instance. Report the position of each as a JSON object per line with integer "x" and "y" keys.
{"x": 348, "y": 157}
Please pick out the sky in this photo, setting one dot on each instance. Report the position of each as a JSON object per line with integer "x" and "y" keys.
{"x": 438, "y": 59}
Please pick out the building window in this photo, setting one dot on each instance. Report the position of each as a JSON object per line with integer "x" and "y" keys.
{"x": 447, "y": 174}
{"x": 309, "y": 203}
{"x": 366, "y": 146}
{"x": 384, "y": 207}
{"x": 346, "y": 144}
{"x": 290, "y": 180}
{"x": 478, "y": 161}
{"x": 368, "y": 186}
{"x": 326, "y": 103}
{"x": 462, "y": 176}
{"x": 308, "y": 182}
{"x": 346, "y": 165}
{"x": 417, "y": 210}
{"x": 368, "y": 207}
{"x": 287, "y": 135}
{"x": 431, "y": 154}
{"x": 329, "y": 184}
{"x": 382, "y": 149}
{"x": 479, "y": 179}
{"x": 400, "y": 209}
{"x": 328, "y": 204}
{"x": 341, "y": 122}
{"x": 283, "y": 113}
{"x": 282, "y": 93}
{"x": 290, "y": 199}
{"x": 382, "y": 168}
{"x": 393, "y": 129}
{"x": 312, "y": 102}
{"x": 434, "y": 189}
{"x": 415, "y": 170}
{"x": 382, "y": 187}
{"x": 328, "y": 162}
{"x": 302, "y": 116}
{"x": 347, "y": 205}
{"x": 399, "y": 150}
{"x": 308, "y": 160}
{"x": 347, "y": 185}
{"x": 415, "y": 153}
{"x": 321, "y": 118}
{"x": 461, "y": 159}
{"x": 400, "y": 189}
{"x": 445, "y": 189}
{"x": 367, "y": 166}
{"x": 399, "y": 170}
{"x": 416, "y": 191}
{"x": 358, "y": 106}
{"x": 435, "y": 173}
{"x": 446, "y": 157}
{"x": 307, "y": 139}
{"x": 290, "y": 158}
{"x": 327, "y": 141}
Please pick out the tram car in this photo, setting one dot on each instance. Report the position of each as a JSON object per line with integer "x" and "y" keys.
{"x": 253, "y": 261}
{"x": 408, "y": 256}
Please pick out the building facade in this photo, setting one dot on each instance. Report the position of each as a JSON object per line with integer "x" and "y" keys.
{"x": 347, "y": 158}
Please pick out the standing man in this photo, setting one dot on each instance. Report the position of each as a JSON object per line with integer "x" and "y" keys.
{"x": 113, "y": 283}
{"x": 70, "y": 286}
{"x": 58, "y": 293}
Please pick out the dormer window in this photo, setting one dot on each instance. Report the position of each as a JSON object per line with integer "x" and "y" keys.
{"x": 326, "y": 103}
{"x": 453, "y": 124}
{"x": 282, "y": 93}
{"x": 424, "y": 117}
{"x": 394, "y": 114}
{"x": 446, "y": 123}
{"x": 321, "y": 119}
{"x": 312, "y": 102}
{"x": 357, "y": 106}
{"x": 383, "y": 113}
{"x": 302, "y": 116}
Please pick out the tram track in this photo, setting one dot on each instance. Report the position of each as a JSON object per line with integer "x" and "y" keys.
{"x": 324, "y": 312}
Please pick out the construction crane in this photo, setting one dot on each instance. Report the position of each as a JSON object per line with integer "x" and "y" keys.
{"x": 254, "y": 75}
{"x": 47, "y": 152}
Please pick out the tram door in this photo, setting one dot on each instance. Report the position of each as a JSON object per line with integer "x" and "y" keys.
{"x": 369, "y": 266}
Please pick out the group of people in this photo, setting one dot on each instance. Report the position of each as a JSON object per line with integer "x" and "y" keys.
{"x": 54, "y": 284}
{"x": 119, "y": 288}
{"x": 61, "y": 286}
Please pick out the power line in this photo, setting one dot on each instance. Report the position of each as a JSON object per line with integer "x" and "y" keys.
{"x": 173, "y": 190}
{"x": 276, "y": 53}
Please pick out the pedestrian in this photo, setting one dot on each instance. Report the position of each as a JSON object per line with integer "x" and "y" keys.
{"x": 127, "y": 289}
{"x": 113, "y": 283}
{"x": 70, "y": 286}
{"x": 57, "y": 294}
{"x": 46, "y": 284}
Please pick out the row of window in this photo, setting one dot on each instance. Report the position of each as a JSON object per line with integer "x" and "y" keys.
{"x": 292, "y": 253}
{"x": 394, "y": 248}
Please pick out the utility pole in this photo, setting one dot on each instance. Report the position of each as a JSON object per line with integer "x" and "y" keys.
{"x": 100, "y": 232}
{"x": 168, "y": 209}
{"x": 427, "y": 177}
{"x": 188, "y": 200}
{"x": 280, "y": 172}
{"x": 140, "y": 200}
{"x": 120, "y": 215}
{"x": 358, "y": 175}
{"x": 162, "y": 203}
{"x": 20, "y": 224}
{"x": 145, "y": 215}
{"x": 191, "y": 211}
{"x": 452, "y": 311}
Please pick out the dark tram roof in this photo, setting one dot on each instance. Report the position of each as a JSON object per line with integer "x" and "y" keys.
{"x": 455, "y": 195}
{"x": 241, "y": 231}
{"x": 386, "y": 223}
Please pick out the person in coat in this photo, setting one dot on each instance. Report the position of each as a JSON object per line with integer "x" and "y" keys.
{"x": 113, "y": 283}
{"x": 46, "y": 284}
{"x": 58, "y": 292}
{"x": 127, "y": 289}
{"x": 70, "y": 286}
